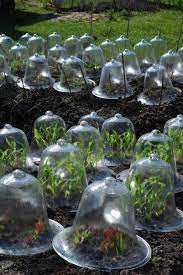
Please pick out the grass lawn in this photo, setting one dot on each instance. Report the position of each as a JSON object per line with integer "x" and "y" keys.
{"x": 146, "y": 25}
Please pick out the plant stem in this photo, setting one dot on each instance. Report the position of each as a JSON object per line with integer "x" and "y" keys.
{"x": 124, "y": 76}
{"x": 86, "y": 84}
{"x": 66, "y": 80}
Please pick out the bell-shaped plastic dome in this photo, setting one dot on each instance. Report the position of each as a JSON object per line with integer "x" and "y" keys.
{"x": 131, "y": 64}
{"x": 18, "y": 56}
{"x": 62, "y": 175}
{"x": 159, "y": 46}
{"x": 86, "y": 40}
{"x": 73, "y": 46}
{"x": 151, "y": 183}
{"x": 180, "y": 52}
{"x": 37, "y": 73}
{"x": 145, "y": 53}
{"x": 4, "y": 71}
{"x": 47, "y": 130}
{"x": 14, "y": 151}
{"x": 93, "y": 119}
{"x": 24, "y": 39}
{"x": 94, "y": 60}
{"x": 36, "y": 45}
{"x": 174, "y": 129}
{"x": 158, "y": 88}
{"x": 88, "y": 139}
{"x": 6, "y": 43}
{"x": 73, "y": 77}
{"x": 54, "y": 39}
{"x": 122, "y": 43}
{"x": 103, "y": 235}
{"x": 25, "y": 228}
{"x": 174, "y": 66}
{"x": 119, "y": 140}
{"x": 109, "y": 50}
{"x": 56, "y": 54}
{"x": 113, "y": 83}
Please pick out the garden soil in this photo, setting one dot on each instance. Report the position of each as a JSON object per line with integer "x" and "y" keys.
{"x": 20, "y": 108}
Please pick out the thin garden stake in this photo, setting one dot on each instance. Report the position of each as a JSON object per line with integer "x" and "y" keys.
{"x": 161, "y": 96}
{"x": 124, "y": 76}
{"x": 91, "y": 20}
{"x": 86, "y": 84}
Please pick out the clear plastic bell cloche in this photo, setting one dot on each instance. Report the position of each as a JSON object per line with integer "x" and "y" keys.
{"x": 14, "y": 151}
{"x": 36, "y": 45}
{"x": 37, "y": 74}
{"x": 174, "y": 66}
{"x": 73, "y": 46}
{"x": 73, "y": 77}
{"x": 131, "y": 64}
{"x": 4, "y": 70}
{"x": 25, "y": 228}
{"x": 54, "y": 39}
{"x": 119, "y": 140}
{"x": 109, "y": 50}
{"x": 56, "y": 56}
{"x": 47, "y": 130}
{"x": 62, "y": 175}
{"x": 24, "y": 39}
{"x": 93, "y": 119}
{"x": 159, "y": 45}
{"x": 94, "y": 61}
{"x": 158, "y": 88}
{"x": 151, "y": 183}
{"x": 174, "y": 129}
{"x": 113, "y": 82}
{"x": 122, "y": 43}
{"x": 88, "y": 139}
{"x": 86, "y": 40}
{"x": 6, "y": 42}
{"x": 145, "y": 53}
{"x": 103, "y": 236}
{"x": 18, "y": 56}
{"x": 180, "y": 52}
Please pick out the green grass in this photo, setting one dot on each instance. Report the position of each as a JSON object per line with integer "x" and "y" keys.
{"x": 143, "y": 25}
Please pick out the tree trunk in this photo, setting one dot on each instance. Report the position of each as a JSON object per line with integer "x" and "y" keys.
{"x": 7, "y": 6}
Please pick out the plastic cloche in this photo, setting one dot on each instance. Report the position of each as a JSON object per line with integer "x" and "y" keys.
{"x": 86, "y": 40}
{"x": 73, "y": 46}
{"x": 56, "y": 54}
{"x": 73, "y": 77}
{"x": 54, "y": 39}
{"x": 145, "y": 53}
{"x": 37, "y": 74}
{"x": 47, "y": 130}
{"x": 14, "y": 151}
{"x": 18, "y": 56}
{"x": 174, "y": 66}
{"x": 131, "y": 64}
{"x": 6, "y": 43}
{"x": 151, "y": 183}
{"x": 36, "y": 45}
{"x": 159, "y": 46}
{"x": 93, "y": 119}
{"x": 4, "y": 72}
{"x": 94, "y": 60}
{"x": 24, "y": 39}
{"x": 103, "y": 235}
{"x": 158, "y": 88}
{"x": 62, "y": 175}
{"x": 180, "y": 52}
{"x": 119, "y": 140}
{"x": 113, "y": 83}
{"x": 88, "y": 139}
{"x": 122, "y": 43}
{"x": 25, "y": 228}
{"x": 174, "y": 129}
{"x": 109, "y": 50}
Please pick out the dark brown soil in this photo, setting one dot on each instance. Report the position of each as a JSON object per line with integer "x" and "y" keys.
{"x": 21, "y": 108}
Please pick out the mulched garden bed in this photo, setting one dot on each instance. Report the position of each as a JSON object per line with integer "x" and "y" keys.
{"x": 21, "y": 108}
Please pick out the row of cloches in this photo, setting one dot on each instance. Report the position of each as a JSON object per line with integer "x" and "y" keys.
{"x": 73, "y": 172}
{"x": 80, "y": 63}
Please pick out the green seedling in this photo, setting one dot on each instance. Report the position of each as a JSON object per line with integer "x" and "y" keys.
{"x": 45, "y": 136}
{"x": 177, "y": 136}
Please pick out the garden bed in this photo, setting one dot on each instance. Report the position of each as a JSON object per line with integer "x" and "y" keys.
{"x": 21, "y": 108}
